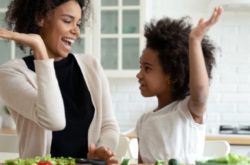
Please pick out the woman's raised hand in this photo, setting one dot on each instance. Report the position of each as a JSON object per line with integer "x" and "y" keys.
{"x": 203, "y": 25}
{"x": 34, "y": 41}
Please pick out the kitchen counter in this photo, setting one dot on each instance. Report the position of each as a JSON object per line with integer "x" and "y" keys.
{"x": 231, "y": 138}
{"x": 7, "y": 131}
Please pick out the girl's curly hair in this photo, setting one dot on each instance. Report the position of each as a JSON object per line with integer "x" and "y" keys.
{"x": 169, "y": 37}
{"x": 21, "y": 15}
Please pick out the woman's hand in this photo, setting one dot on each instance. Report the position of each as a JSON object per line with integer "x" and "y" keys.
{"x": 203, "y": 26}
{"x": 34, "y": 41}
{"x": 102, "y": 153}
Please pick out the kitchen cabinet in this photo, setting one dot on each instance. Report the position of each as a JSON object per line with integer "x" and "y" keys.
{"x": 8, "y": 140}
{"x": 241, "y": 149}
{"x": 121, "y": 38}
{"x": 114, "y": 35}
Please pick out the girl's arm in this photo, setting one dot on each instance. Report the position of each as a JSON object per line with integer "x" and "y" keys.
{"x": 199, "y": 80}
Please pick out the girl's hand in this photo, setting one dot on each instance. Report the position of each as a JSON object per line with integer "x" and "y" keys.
{"x": 102, "y": 153}
{"x": 34, "y": 41}
{"x": 203, "y": 26}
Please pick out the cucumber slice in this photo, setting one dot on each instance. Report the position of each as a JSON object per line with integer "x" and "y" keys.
{"x": 125, "y": 161}
{"x": 159, "y": 162}
{"x": 172, "y": 162}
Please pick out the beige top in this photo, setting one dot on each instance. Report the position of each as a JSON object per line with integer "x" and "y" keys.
{"x": 36, "y": 104}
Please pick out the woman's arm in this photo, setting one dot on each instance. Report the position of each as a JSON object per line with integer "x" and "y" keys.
{"x": 199, "y": 80}
{"x": 34, "y": 41}
{"x": 109, "y": 133}
{"x": 139, "y": 155}
{"x": 35, "y": 98}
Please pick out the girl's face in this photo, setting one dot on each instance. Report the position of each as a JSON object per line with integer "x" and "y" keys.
{"x": 60, "y": 28}
{"x": 153, "y": 81}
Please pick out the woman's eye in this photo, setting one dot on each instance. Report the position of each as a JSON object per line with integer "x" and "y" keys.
{"x": 67, "y": 21}
{"x": 79, "y": 25}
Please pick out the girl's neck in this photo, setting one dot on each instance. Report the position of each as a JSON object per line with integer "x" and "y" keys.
{"x": 164, "y": 101}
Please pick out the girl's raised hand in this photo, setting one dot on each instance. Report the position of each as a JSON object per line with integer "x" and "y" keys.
{"x": 203, "y": 25}
{"x": 34, "y": 41}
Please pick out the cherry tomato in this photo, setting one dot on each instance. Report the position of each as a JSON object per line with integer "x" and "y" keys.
{"x": 44, "y": 163}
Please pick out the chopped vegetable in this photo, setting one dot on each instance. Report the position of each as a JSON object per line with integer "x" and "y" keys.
{"x": 44, "y": 163}
{"x": 46, "y": 160}
{"x": 125, "y": 161}
{"x": 172, "y": 162}
{"x": 159, "y": 162}
{"x": 231, "y": 158}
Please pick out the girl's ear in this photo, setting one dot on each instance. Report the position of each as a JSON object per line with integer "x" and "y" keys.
{"x": 40, "y": 21}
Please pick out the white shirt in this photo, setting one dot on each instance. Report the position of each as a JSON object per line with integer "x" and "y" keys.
{"x": 170, "y": 132}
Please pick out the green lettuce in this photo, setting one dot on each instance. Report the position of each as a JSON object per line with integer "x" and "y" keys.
{"x": 36, "y": 160}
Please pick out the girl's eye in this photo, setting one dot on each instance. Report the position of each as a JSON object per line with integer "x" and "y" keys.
{"x": 147, "y": 69}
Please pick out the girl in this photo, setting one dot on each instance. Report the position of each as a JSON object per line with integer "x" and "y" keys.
{"x": 175, "y": 67}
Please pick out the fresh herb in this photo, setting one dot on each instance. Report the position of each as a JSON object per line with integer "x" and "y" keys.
{"x": 159, "y": 162}
{"x": 46, "y": 160}
{"x": 231, "y": 158}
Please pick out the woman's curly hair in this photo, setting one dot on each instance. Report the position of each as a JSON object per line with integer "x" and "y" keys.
{"x": 169, "y": 37}
{"x": 22, "y": 15}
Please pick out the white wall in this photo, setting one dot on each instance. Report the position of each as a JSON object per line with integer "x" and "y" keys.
{"x": 229, "y": 101}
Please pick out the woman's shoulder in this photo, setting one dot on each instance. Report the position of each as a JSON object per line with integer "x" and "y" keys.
{"x": 88, "y": 61}
{"x": 12, "y": 68}
{"x": 12, "y": 64}
{"x": 85, "y": 57}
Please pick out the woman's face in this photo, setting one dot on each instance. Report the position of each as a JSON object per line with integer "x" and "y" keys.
{"x": 60, "y": 28}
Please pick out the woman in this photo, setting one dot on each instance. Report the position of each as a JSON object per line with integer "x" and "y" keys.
{"x": 60, "y": 102}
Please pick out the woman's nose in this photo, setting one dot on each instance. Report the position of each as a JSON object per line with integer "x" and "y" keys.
{"x": 75, "y": 30}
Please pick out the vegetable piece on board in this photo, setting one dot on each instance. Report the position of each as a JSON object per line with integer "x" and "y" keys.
{"x": 159, "y": 162}
{"x": 172, "y": 162}
{"x": 125, "y": 162}
{"x": 44, "y": 163}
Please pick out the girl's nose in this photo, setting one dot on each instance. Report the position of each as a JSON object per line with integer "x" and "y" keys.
{"x": 138, "y": 75}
